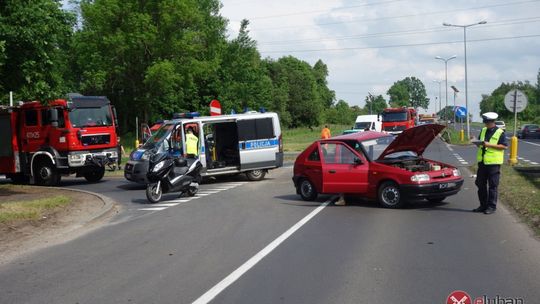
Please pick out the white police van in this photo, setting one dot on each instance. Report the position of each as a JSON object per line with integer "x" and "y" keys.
{"x": 249, "y": 143}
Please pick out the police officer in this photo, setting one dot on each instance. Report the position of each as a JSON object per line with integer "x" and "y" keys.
{"x": 490, "y": 157}
{"x": 192, "y": 144}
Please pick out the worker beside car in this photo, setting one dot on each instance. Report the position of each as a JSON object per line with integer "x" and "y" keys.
{"x": 490, "y": 156}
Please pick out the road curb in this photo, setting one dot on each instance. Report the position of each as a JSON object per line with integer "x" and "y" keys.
{"x": 109, "y": 205}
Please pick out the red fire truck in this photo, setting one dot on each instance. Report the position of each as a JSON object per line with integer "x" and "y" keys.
{"x": 39, "y": 143}
{"x": 395, "y": 120}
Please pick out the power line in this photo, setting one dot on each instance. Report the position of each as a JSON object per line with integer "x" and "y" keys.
{"x": 398, "y": 33}
{"x": 326, "y": 10}
{"x": 403, "y": 45}
{"x": 400, "y": 16}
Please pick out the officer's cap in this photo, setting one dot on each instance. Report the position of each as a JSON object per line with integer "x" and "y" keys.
{"x": 489, "y": 116}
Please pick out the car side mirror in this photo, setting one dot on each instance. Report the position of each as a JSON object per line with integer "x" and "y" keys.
{"x": 357, "y": 161}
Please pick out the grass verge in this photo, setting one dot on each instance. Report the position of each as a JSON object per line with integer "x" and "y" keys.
{"x": 452, "y": 136}
{"x": 522, "y": 194}
{"x": 31, "y": 209}
{"x": 300, "y": 138}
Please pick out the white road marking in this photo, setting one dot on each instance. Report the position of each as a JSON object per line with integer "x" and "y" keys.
{"x": 181, "y": 200}
{"x": 166, "y": 204}
{"x": 528, "y": 142}
{"x": 207, "y": 192}
{"x": 202, "y": 194}
{"x": 534, "y": 163}
{"x": 235, "y": 275}
{"x": 153, "y": 209}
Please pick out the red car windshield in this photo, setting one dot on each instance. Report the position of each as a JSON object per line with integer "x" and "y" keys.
{"x": 375, "y": 147}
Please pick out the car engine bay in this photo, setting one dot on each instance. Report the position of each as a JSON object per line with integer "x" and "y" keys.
{"x": 414, "y": 165}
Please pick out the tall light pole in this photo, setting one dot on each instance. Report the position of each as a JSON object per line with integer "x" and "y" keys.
{"x": 446, "y": 81}
{"x": 465, "y": 53}
{"x": 439, "y": 82}
{"x": 455, "y": 95}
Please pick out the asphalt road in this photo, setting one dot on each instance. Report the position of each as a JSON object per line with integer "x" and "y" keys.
{"x": 358, "y": 253}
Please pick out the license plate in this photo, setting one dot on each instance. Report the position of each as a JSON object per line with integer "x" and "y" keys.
{"x": 447, "y": 185}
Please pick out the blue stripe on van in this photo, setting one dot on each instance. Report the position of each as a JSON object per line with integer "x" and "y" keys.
{"x": 260, "y": 144}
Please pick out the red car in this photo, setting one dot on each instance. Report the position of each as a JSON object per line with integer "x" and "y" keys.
{"x": 377, "y": 166}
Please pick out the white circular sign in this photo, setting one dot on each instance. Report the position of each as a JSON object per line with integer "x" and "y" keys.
{"x": 520, "y": 98}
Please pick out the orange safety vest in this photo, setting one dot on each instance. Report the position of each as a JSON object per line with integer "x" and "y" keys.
{"x": 325, "y": 133}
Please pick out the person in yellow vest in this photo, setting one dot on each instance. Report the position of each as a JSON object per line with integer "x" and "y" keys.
{"x": 490, "y": 156}
{"x": 192, "y": 144}
{"x": 325, "y": 133}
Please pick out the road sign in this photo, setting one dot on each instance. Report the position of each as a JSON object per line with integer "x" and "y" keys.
{"x": 215, "y": 108}
{"x": 461, "y": 112}
{"x": 520, "y": 99}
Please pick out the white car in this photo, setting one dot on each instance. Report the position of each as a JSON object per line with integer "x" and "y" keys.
{"x": 500, "y": 124}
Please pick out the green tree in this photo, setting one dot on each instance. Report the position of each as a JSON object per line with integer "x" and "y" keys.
{"x": 35, "y": 38}
{"x": 399, "y": 95}
{"x": 494, "y": 102}
{"x": 376, "y": 103}
{"x": 320, "y": 70}
{"x": 294, "y": 81}
{"x": 150, "y": 57}
{"x": 244, "y": 81}
{"x": 409, "y": 92}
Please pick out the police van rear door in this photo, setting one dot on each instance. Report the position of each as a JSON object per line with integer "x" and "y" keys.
{"x": 257, "y": 142}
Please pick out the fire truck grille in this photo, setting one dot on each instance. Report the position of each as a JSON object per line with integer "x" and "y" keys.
{"x": 90, "y": 140}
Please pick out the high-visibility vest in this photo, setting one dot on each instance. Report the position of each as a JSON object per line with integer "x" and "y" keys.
{"x": 325, "y": 133}
{"x": 192, "y": 146}
{"x": 491, "y": 156}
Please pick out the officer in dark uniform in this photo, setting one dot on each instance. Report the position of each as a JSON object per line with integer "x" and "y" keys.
{"x": 490, "y": 157}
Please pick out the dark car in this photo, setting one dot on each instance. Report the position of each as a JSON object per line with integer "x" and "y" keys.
{"x": 529, "y": 131}
{"x": 377, "y": 166}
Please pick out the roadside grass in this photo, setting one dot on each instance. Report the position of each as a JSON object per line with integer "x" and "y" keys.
{"x": 31, "y": 209}
{"x": 522, "y": 194}
{"x": 300, "y": 138}
{"x": 451, "y": 136}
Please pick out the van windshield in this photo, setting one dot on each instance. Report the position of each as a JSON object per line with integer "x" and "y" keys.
{"x": 362, "y": 125}
{"x": 394, "y": 116}
{"x": 158, "y": 138}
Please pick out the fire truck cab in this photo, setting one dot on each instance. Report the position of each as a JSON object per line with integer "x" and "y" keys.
{"x": 40, "y": 142}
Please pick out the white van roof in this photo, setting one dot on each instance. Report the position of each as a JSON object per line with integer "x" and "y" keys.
{"x": 362, "y": 118}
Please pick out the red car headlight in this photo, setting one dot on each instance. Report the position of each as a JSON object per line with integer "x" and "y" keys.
{"x": 420, "y": 178}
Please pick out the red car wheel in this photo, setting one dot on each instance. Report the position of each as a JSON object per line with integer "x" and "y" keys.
{"x": 390, "y": 196}
{"x": 307, "y": 190}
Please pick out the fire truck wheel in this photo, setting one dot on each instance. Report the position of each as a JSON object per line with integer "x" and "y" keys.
{"x": 94, "y": 175}
{"x": 46, "y": 174}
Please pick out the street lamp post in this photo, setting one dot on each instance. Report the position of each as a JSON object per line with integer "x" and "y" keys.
{"x": 465, "y": 53}
{"x": 439, "y": 82}
{"x": 446, "y": 82}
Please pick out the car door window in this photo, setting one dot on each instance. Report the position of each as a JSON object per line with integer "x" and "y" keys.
{"x": 314, "y": 155}
{"x": 335, "y": 153}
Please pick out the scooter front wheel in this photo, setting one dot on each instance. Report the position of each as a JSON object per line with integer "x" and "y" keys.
{"x": 153, "y": 193}
{"x": 192, "y": 191}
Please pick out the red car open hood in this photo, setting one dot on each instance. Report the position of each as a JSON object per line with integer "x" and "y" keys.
{"x": 414, "y": 139}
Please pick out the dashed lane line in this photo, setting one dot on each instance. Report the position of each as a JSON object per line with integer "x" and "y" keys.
{"x": 201, "y": 193}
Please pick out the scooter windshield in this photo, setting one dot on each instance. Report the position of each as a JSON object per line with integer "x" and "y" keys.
{"x": 158, "y": 140}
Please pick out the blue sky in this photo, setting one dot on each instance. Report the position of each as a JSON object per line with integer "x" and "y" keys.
{"x": 364, "y": 42}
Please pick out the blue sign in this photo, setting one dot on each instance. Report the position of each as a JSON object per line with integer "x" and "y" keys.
{"x": 461, "y": 112}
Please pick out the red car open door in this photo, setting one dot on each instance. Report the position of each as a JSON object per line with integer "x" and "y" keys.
{"x": 344, "y": 170}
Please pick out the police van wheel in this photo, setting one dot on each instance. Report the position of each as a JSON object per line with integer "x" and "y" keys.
{"x": 94, "y": 175}
{"x": 307, "y": 190}
{"x": 45, "y": 174}
{"x": 255, "y": 175}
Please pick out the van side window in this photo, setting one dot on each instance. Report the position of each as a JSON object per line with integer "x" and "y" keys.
{"x": 253, "y": 129}
{"x": 31, "y": 117}
{"x": 314, "y": 156}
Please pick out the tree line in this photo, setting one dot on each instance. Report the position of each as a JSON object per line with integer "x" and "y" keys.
{"x": 494, "y": 102}
{"x": 157, "y": 57}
